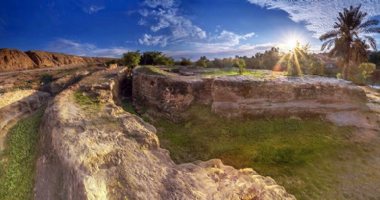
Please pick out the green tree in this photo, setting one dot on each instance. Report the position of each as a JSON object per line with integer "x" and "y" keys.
{"x": 131, "y": 59}
{"x": 240, "y": 63}
{"x": 345, "y": 41}
{"x": 362, "y": 73}
{"x": 156, "y": 58}
{"x": 374, "y": 57}
{"x": 202, "y": 62}
{"x": 185, "y": 62}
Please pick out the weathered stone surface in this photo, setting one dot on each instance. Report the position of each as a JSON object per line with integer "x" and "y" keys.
{"x": 111, "y": 154}
{"x": 246, "y": 96}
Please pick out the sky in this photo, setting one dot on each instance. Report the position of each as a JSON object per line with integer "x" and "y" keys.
{"x": 179, "y": 28}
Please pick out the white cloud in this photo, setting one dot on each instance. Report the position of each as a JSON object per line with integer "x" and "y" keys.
{"x": 165, "y": 17}
{"x": 150, "y": 40}
{"x": 84, "y": 49}
{"x": 212, "y": 51}
{"x": 227, "y": 38}
{"x": 319, "y": 16}
{"x": 92, "y": 9}
{"x": 223, "y": 44}
{"x": 159, "y": 3}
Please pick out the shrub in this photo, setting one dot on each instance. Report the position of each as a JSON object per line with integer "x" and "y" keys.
{"x": 156, "y": 58}
{"x": 362, "y": 73}
{"x": 202, "y": 62}
{"x": 185, "y": 62}
{"x": 240, "y": 63}
{"x": 131, "y": 59}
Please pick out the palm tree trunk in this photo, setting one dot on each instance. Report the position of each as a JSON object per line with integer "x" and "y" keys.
{"x": 344, "y": 71}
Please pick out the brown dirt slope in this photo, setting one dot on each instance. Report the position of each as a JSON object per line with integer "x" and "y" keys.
{"x": 13, "y": 59}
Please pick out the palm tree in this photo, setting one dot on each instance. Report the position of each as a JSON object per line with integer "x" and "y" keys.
{"x": 349, "y": 39}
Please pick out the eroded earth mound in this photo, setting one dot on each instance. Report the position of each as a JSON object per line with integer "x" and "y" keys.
{"x": 13, "y": 59}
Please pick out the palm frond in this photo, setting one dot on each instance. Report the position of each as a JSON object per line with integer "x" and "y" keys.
{"x": 372, "y": 42}
{"x": 327, "y": 45}
{"x": 367, "y": 24}
{"x": 328, "y": 35}
{"x": 372, "y": 30}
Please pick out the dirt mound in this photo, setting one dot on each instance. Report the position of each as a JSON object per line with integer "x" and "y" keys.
{"x": 13, "y": 59}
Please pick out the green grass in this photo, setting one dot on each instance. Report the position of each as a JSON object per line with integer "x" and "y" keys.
{"x": 235, "y": 72}
{"x": 153, "y": 70}
{"x": 17, "y": 162}
{"x": 298, "y": 154}
{"x": 127, "y": 106}
{"x": 86, "y": 101}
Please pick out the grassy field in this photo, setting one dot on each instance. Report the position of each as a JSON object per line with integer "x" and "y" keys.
{"x": 298, "y": 154}
{"x": 17, "y": 162}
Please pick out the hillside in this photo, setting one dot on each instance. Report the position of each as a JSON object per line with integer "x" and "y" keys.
{"x": 13, "y": 59}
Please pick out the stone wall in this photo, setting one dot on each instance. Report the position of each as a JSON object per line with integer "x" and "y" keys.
{"x": 245, "y": 96}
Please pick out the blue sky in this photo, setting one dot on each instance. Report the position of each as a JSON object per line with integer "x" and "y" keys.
{"x": 180, "y": 28}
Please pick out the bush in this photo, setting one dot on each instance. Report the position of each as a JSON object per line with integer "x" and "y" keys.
{"x": 156, "y": 58}
{"x": 240, "y": 63}
{"x": 185, "y": 62}
{"x": 202, "y": 62}
{"x": 362, "y": 73}
{"x": 131, "y": 59}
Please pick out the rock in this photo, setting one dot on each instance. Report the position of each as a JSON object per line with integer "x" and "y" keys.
{"x": 112, "y": 154}
{"x": 245, "y": 96}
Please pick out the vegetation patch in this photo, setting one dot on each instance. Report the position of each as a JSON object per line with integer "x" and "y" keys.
{"x": 17, "y": 162}
{"x": 298, "y": 154}
{"x": 86, "y": 101}
{"x": 153, "y": 70}
{"x": 235, "y": 72}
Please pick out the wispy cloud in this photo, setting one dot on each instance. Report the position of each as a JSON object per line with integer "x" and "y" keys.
{"x": 223, "y": 44}
{"x": 92, "y": 9}
{"x": 159, "y": 3}
{"x": 212, "y": 51}
{"x": 164, "y": 16}
{"x": 319, "y": 16}
{"x": 150, "y": 40}
{"x": 84, "y": 49}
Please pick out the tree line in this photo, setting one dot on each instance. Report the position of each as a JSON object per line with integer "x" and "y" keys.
{"x": 348, "y": 41}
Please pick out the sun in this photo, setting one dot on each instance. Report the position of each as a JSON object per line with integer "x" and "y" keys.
{"x": 290, "y": 41}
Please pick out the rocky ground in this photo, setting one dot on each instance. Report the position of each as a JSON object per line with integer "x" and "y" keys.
{"x": 90, "y": 148}
{"x": 103, "y": 152}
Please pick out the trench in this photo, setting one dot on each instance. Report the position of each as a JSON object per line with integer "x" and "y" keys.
{"x": 21, "y": 137}
{"x": 310, "y": 157}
